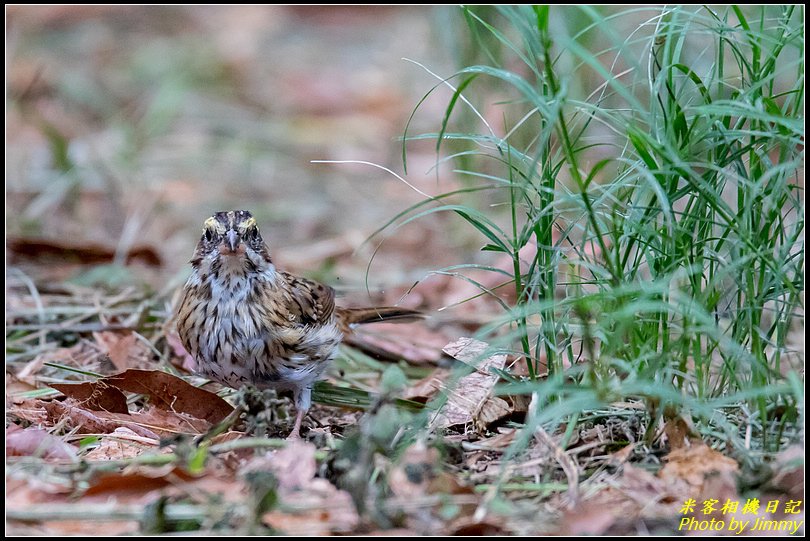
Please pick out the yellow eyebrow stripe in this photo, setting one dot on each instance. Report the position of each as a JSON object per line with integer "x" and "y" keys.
{"x": 214, "y": 224}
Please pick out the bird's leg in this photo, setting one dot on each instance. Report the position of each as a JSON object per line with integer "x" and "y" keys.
{"x": 295, "y": 434}
{"x": 303, "y": 400}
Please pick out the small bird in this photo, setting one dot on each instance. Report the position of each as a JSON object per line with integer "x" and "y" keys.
{"x": 247, "y": 323}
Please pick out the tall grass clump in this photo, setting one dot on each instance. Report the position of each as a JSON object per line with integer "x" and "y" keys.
{"x": 650, "y": 162}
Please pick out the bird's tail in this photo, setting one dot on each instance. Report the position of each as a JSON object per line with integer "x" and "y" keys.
{"x": 349, "y": 317}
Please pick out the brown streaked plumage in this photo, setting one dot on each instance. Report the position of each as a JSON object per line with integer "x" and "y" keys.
{"x": 247, "y": 323}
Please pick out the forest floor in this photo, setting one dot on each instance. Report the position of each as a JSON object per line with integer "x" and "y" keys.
{"x": 126, "y": 128}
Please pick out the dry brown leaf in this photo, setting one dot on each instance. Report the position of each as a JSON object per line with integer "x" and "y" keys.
{"x": 95, "y": 395}
{"x": 644, "y": 489}
{"x": 722, "y": 486}
{"x": 90, "y": 422}
{"x": 146, "y": 484}
{"x": 492, "y": 410}
{"x": 470, "y": 352}
{"x": 703, "y": 473}
{"x": 174, "y": 405}
{"x": 81, "y": 252}
{"x": 695, "y": 464}
{"x": 321, "y": 510}
{"x": 677, "y": 430}
{"x": 172, "y": 394}
{"x": 124, "y": 349}
{"x": 36, "y": 442}
{"x": 25, "y": 492}
{"x": 309, "y": 505}
{"x": 147, "y": 423}
{"x": 467, "y": 399}
{"x": 168, "y": 422}
{"x": 636, "y": 494}
{"x": 137, "y": 483}
{"x": 28, "y": 409}
{"x": 622, "y": 455}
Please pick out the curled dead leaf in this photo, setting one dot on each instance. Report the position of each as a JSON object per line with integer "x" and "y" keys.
{"x": 150, "y": 423}
{"x": 172, "y": 394}
{"x": 37, "y": 442}
{"x": 466, "y": 402}
{"x": 90, "y": 422}
{"x": 95, "y": 396}
{"x": 174, "y": 405}
{"x": 492, "y": 410}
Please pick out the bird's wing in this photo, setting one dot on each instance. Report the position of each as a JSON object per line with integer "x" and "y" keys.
{"x": 308, "y": 302}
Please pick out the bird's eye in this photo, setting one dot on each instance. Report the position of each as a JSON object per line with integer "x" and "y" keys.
{"x": 208, "y": 235}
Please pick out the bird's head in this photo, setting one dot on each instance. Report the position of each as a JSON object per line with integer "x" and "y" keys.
{"x": 232, "y": 238}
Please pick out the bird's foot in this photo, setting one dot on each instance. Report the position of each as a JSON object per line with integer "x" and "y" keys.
{"x": 295, "y": 435}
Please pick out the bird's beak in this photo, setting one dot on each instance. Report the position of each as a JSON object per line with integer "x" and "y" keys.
{"x": 233, "y": 239}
